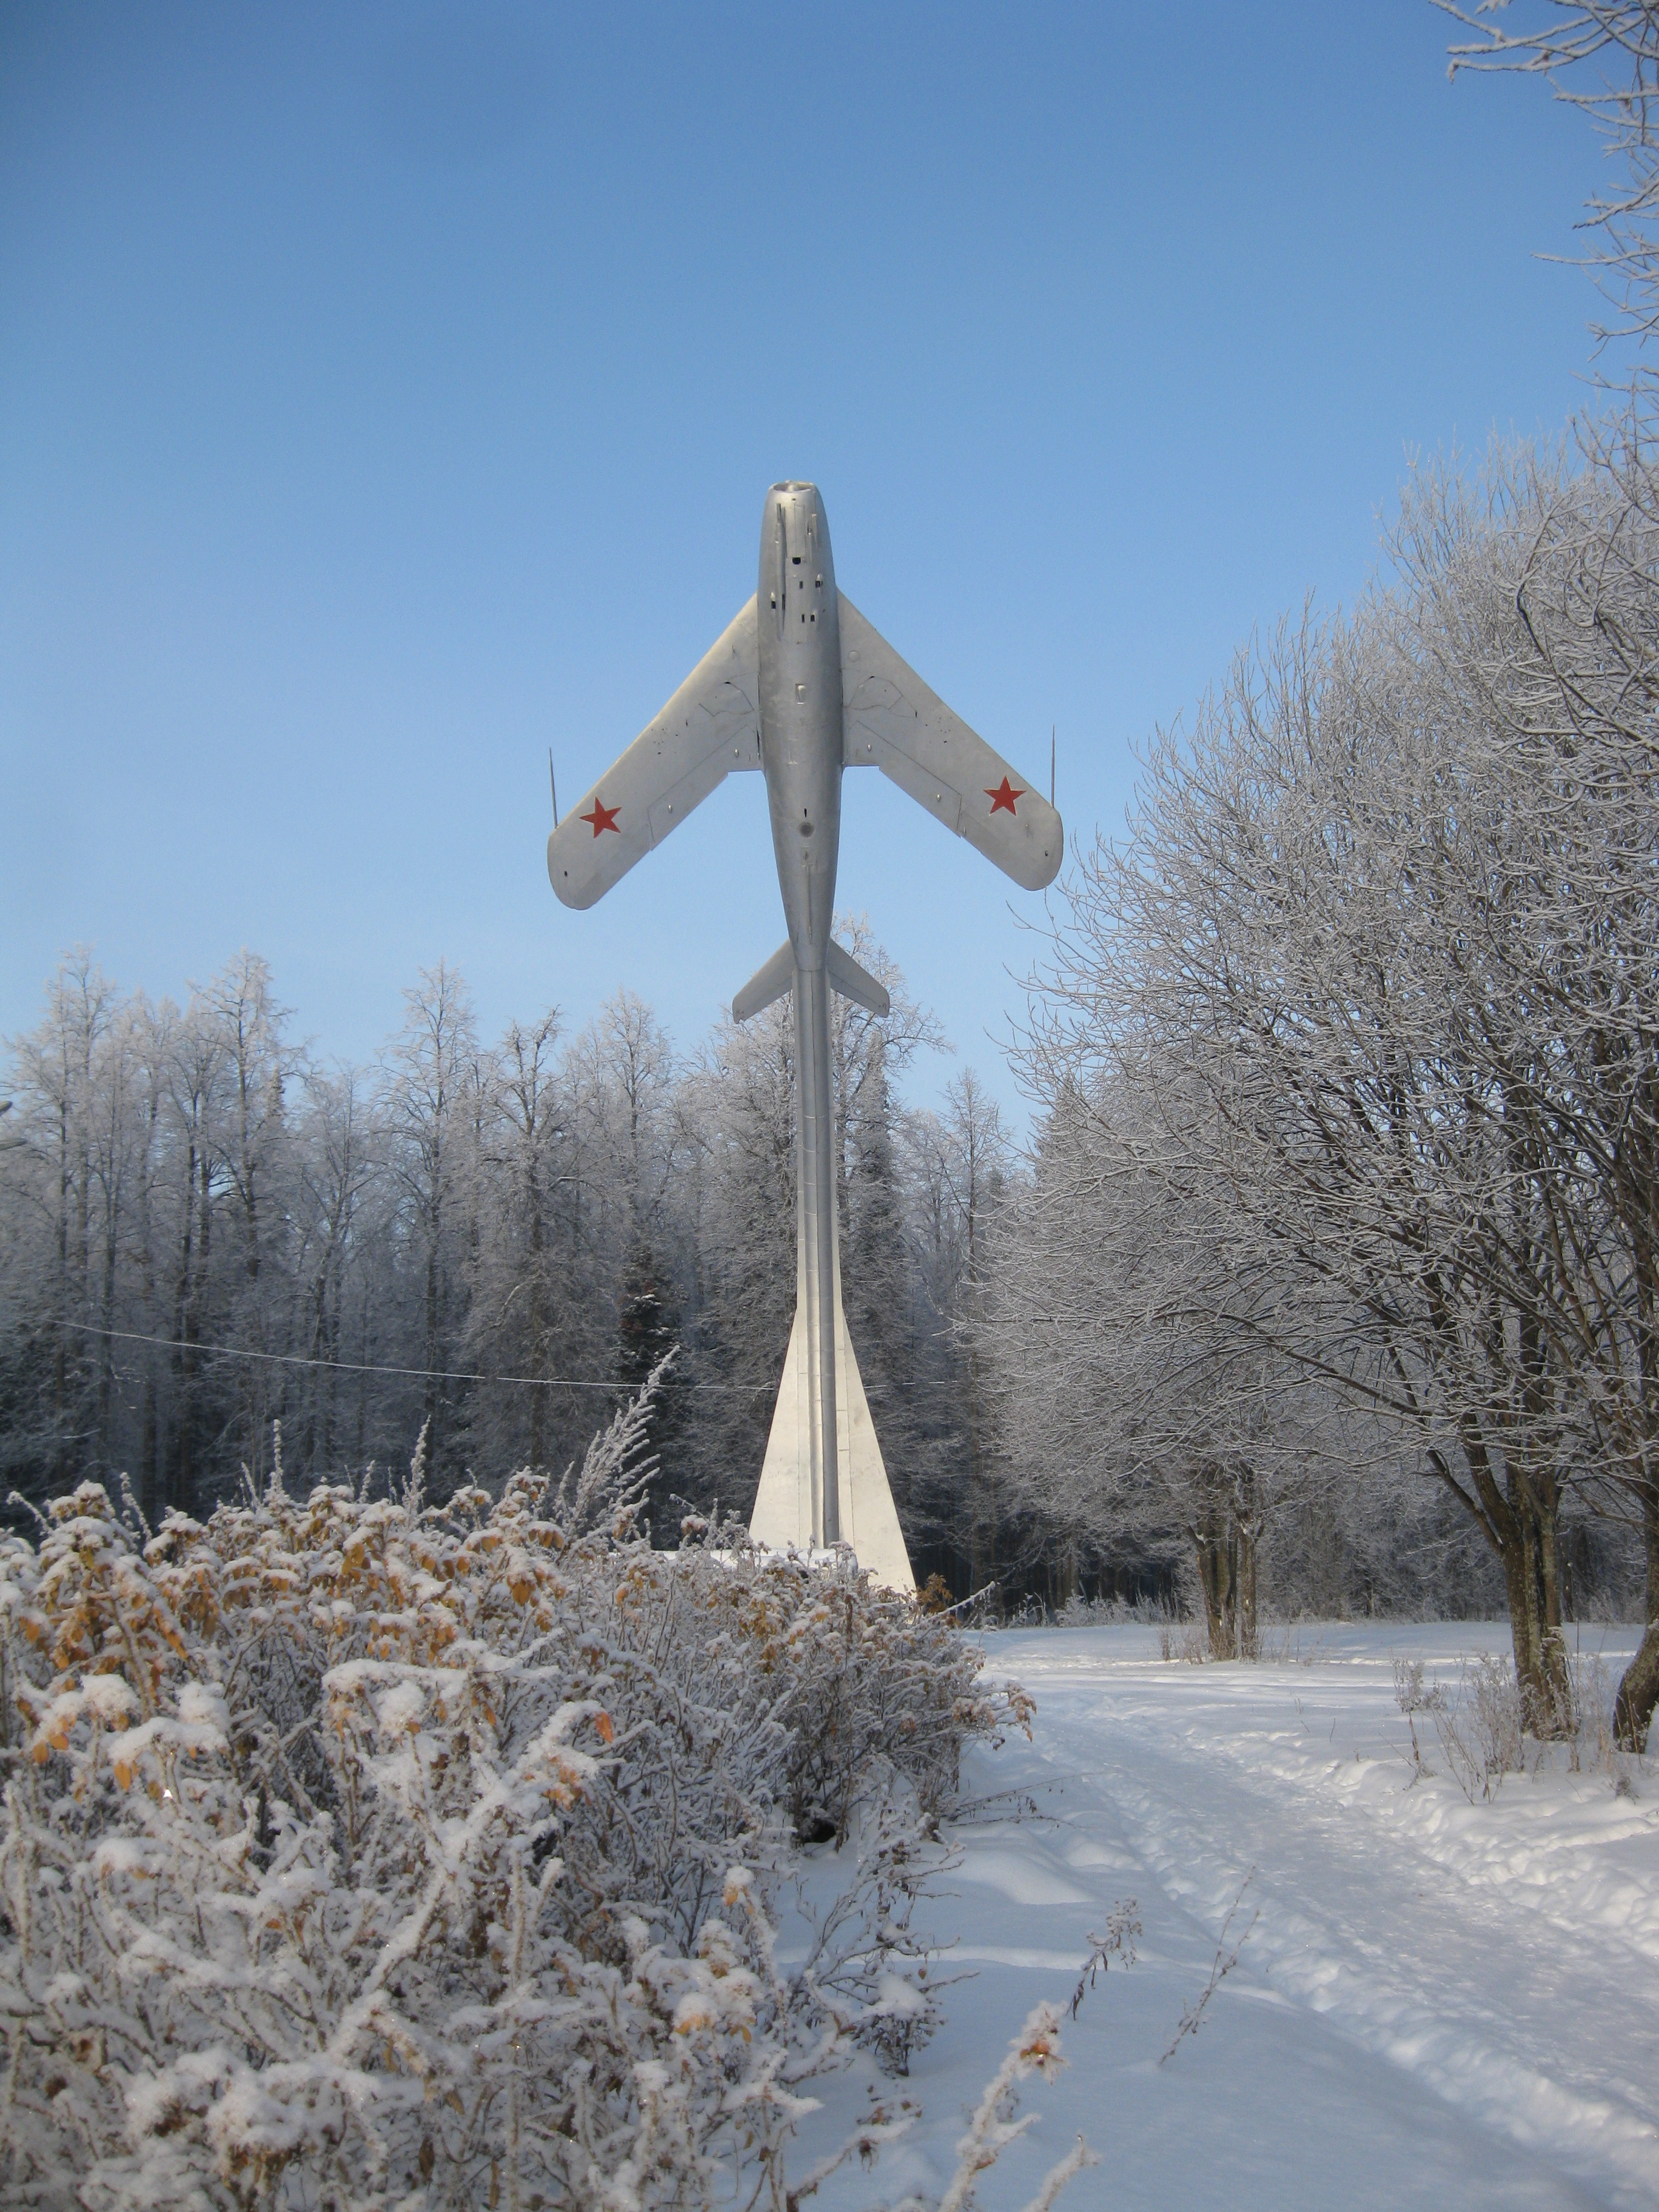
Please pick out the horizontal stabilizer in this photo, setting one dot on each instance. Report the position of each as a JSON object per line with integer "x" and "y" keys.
{"x": 766, "y": 984}
{"x": 854, "y": 983}
{"x": 778, "y": 976}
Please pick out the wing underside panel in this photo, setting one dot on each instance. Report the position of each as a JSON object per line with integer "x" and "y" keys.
{"x": 709, "y": 729}
{"x": 894, "y": 722}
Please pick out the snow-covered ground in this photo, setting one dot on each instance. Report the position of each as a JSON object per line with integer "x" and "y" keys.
{"x": 1439, "y": 2003}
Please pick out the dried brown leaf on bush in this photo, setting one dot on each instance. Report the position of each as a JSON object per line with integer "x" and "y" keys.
{"x": 432, "y": 1846}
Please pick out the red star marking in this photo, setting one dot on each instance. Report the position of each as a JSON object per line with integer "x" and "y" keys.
{"x": 604, "y": 818}
{"x": 1001, "y": 800}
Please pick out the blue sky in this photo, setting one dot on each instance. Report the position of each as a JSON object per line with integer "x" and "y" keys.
{"x": 386, "y": 394}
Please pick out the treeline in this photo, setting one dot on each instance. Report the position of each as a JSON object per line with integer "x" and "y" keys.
{"x": 210, "y": 1239}
{"x": 1349, "y": 1174}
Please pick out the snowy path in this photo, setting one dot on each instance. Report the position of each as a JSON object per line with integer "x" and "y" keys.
{"x": 1438, "y": 2003}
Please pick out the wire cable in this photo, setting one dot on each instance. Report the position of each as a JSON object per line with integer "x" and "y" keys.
{"x": 370, "y": 1367}
{"x": 461, "y": 1375}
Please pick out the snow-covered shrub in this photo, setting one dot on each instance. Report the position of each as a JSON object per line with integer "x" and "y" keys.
{"x": 885, "y": 1684}
{"x": 993, "y": 2127}
{"x": 1594, "y": 1746}
{"x": 359, "y": 1852}
{"x": 1185, "y": 1639}
{"x": 1478, "y": 1724}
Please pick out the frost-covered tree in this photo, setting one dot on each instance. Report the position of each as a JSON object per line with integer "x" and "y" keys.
{"x": 337, "y": 1161}
{"x": 737, "y": 1114}
{"x": 1601, "y": 58}
{"x": 434, "y": 1078}
{"x": 959, "y": 1162}
{"x": 535, "y": 1312}
{"x": 1157, "y": 1370}
{"x": 1586, "y": 689}
{"x": 1343, "y": 962}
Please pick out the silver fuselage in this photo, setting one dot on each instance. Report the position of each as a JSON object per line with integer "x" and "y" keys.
{"x": 800, "y": 712}
{"x": 800, "y": 724}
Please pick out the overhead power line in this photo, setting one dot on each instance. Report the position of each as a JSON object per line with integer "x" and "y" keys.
{"x": 449, "y": 1374}
{"x": 372, "y": 1367}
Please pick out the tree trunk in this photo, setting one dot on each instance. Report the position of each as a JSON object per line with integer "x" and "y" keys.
{"x": 106, "y": 1364}
{"x": 148, "y": 1455}
{"x": 1521, "y": 1520}
{"x": 1555, "y": 1715}
{"x": 1247, "y": 1529}
{"x": 538, "y": 1321}
{"x": 1537, "y": 1497}
{"x": 60, "y": 1350}
{"x": 433, "y": 1399}
{"x": 149, "y": 1469}
{"x": 319, "y": 1353}
{"x": 362, "y": 1380}
{"x": 981, "y": 1524}
{"x": 332, "y": 1373}
{"x": 1213, "y": 1542}
{"x": 1066, "y": 1577}
{"x": 182, "y": 1486}
{"x": 1638, "y": 1689}
{"x": 1532, "y": 1575}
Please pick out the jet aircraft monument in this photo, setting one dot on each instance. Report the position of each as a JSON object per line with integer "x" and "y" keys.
{"x": 800, "y": 687}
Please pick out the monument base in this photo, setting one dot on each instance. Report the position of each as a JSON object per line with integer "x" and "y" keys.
{"x": 783, "y": 1505}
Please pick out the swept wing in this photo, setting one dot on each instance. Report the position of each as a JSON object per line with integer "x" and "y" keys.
{"x": 710, "y": 727}
{"x": 893, "y": 721}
